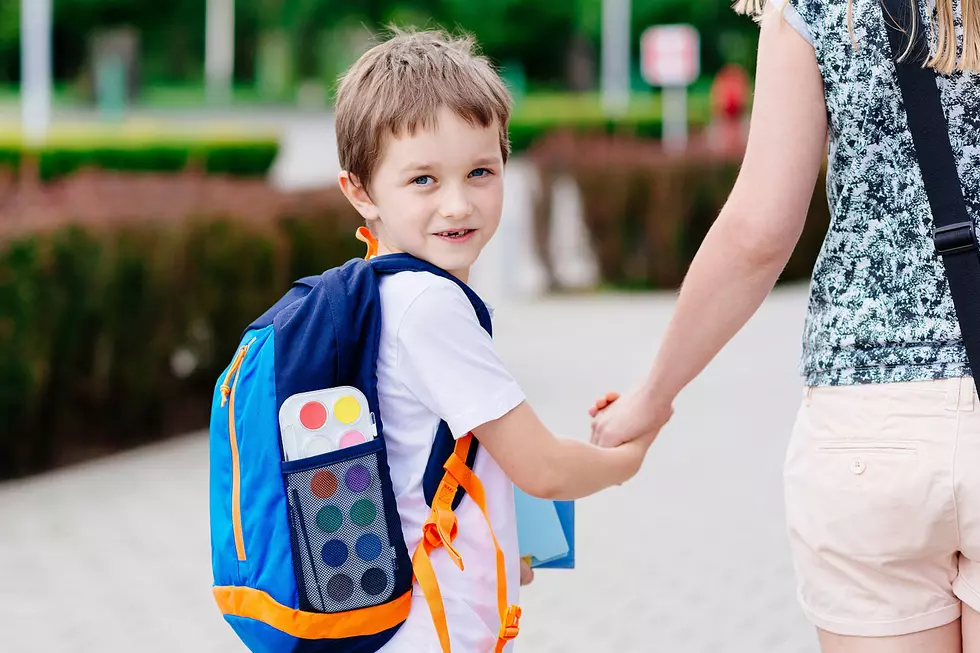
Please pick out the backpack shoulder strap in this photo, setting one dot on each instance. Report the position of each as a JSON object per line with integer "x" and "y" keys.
{"x": 444, "y": 444}
{"x": 300, "y": 289}
{"x": 954, "y": 233}
{"x": 327, "y": 332}
{"x": 394, "y": 263}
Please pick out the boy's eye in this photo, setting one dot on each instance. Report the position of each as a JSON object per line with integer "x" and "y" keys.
{"x": 480, "y": 172}
{"x": 422, "y": 181}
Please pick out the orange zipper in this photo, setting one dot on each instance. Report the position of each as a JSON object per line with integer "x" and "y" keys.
{"x": 228, "y": 396}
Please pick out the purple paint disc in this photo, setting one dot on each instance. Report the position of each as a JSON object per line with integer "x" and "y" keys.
{"x": 358, "y": 478}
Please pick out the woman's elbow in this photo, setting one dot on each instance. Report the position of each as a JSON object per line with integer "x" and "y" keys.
{"x": 764, "y": 241}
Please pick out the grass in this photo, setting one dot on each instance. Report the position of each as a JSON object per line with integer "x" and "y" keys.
{"x": 534, "y": 113}
{"x": 82, "y": 135}
{"x": 192, "y": 95}
{"x": 155, "y": 96}
{"x": 546, "y": 108}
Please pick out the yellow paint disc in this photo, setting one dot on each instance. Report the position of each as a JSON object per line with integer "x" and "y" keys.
{"x": 347, "y": 410}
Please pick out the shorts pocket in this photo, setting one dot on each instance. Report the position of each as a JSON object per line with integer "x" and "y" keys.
{"x": 856, "y": 456}
{"x": 858, "y": 447}
{"x": 342, "y": 551}
{"x": 860, "y": 499}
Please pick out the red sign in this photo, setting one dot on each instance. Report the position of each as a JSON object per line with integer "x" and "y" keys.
{"x": 670, "y": 55}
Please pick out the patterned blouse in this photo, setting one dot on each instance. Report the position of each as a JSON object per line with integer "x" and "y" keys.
{"x": 880, "y": 309}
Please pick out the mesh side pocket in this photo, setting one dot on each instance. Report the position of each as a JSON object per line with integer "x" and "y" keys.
{"x": 342, "y": 553}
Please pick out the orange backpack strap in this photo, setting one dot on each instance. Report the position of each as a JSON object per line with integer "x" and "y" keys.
{"x": 441, "y": 528}
{"x": 364, "y": 235}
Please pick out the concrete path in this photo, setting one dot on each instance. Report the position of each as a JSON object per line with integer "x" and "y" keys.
{"x": 689, "y": 557}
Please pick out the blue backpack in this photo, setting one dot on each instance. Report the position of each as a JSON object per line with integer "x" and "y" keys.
{"x": 308, "y": 554}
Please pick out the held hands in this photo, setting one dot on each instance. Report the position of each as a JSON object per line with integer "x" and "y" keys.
{"x": 638, "y": 416}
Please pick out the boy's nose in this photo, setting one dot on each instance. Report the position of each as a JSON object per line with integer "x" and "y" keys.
{"x": 455, "y": 205}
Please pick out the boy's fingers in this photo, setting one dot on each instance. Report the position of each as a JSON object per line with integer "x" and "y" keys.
{"x": 611, "y": 397}
{"x": 527, "y": 574}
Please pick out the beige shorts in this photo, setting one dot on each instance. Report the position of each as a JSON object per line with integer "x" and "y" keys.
{"x": 883, "y": 505}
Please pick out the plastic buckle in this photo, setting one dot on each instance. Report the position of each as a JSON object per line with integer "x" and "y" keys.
{"x": 955, "y": 238}
{"x": 512, "y": 624}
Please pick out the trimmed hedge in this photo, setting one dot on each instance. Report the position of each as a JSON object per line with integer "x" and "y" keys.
{"x": 524, "y": 134}
{"x": 61, "y": 158}
{"x": 540, "y": 115}
{"x": 647, "y": 211}
{"x": 113, "y": 334}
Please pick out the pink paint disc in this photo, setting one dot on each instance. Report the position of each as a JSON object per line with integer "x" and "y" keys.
{"x": 351, "y": 438}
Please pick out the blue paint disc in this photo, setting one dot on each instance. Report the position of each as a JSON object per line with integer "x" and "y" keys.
{"x": 368, "y": 547}
{"x": 335, "y": 553}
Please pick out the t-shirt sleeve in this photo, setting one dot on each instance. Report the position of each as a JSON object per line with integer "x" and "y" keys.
{"x": 448, "y": 361}
{"x": 801, "y": 15}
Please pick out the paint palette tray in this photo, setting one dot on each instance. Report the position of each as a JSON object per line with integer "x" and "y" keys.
{"x": 322, "y": 421}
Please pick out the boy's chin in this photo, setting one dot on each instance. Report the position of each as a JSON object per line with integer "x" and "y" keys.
{"x": 458, "y": 265}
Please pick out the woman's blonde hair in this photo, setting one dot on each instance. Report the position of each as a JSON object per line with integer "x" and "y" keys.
{"x": 943, "y": 42}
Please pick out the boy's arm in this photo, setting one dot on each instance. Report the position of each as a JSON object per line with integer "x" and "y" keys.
{"x": 448, "y": 362}
{"x": 549, "y": 467}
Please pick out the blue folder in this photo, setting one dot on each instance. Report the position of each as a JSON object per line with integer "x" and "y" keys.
{"x": 566, "y": 515}
{"x": 545, "y": 531}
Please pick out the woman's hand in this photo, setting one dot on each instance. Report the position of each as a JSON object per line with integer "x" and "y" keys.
{"x": 616, "y": 420}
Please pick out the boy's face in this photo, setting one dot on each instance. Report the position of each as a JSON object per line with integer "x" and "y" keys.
{"x": 436, "y": 194}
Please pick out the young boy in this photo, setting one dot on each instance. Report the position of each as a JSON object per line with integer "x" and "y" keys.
{"x": 422, "y": 138}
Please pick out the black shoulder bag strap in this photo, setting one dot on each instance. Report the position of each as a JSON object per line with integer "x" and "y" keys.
{"x": 954, "y": 234}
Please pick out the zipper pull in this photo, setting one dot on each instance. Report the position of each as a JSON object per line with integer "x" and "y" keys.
{"x": 235, "y": 364}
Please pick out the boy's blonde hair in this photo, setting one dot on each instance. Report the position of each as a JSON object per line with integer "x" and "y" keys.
{"x": 944, "y": 58}
{"x": 398, "y": 86}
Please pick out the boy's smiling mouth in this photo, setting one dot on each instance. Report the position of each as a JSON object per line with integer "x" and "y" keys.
{"x": 455, "y": 235}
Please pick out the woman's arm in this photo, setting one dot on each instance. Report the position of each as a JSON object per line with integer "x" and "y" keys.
{"x": 750, "y": 243}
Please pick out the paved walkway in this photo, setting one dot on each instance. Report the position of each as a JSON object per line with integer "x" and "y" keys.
{"x": 689, "y": 557}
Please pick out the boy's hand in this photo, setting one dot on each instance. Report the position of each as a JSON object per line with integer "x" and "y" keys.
{"x": 527, "y": 574}
{"x": 618, "y": 420}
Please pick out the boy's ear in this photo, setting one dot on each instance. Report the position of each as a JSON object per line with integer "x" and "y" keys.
{"x": 357, "y": 195}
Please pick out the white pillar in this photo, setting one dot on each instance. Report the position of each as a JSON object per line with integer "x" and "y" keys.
{"x": 674, "y": 113}
{"x": 35, "y": 71}
{"x": 219, "y": 57}
{"x": 615, "y": 57}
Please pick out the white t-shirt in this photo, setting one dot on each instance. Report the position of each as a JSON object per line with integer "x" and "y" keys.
{"x": 437, "y": 363}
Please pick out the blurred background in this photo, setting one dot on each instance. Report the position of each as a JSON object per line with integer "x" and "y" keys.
{"x": 167, "y": 168}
